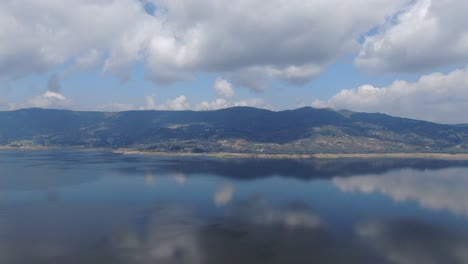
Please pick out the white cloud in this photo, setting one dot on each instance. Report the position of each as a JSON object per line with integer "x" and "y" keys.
{"x": 295, "y": 74}
{"x": 88, "y": 60}
{"x": 150, "y": 103}
{"x": 218, "y": 103}
{"x": 252, "y": 102}
{"x": 49, "y": 99}
{"x": 54, "y": 96}
{"x": 290, "y": 40}
{"x": 182, "y": 103}
{"x": 436, "y": 97}
{"x": 179, "y": 103}
{"x": 426, "y": 35}
{"x": 224, "y": 88}
{"x": 39, "y": 35}
{"x": 434, "y": 190}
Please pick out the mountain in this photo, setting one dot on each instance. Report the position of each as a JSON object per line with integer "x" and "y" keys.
{"x": 239, "y": 130}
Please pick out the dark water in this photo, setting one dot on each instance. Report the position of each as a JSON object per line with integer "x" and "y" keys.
{"x": 79, "y": 207}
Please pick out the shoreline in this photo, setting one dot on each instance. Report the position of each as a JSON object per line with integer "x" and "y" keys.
{"x": 229, "y": 155}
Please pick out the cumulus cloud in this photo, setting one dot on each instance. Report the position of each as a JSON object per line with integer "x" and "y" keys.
{"x": 252, "y": 102}
{"x": 426, "y": 35}
{"x": 435, "y": 97}
{"x": 434, "y": 190}
{"x": 183, "y": 38}
{"x": 150, "y": 103}
{"x": 89, "y": 60}
{"x": 295, "y": 74}
{"x": 215, "y": 38}
{"x": 223, "y": 88}
{"x": 49, "y": 99}
{"x": 178, "y": 103}
{"x": 218, "y": 103}
{"x": 182, "y": 102}
{"x": 39, "y": 35}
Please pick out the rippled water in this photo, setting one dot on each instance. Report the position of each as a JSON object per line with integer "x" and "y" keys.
{"x": 90, "y": 207}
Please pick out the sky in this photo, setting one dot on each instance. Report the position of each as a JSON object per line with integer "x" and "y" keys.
{"x": 401, "y": 57}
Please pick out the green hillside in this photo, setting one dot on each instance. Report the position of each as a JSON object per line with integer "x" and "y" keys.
{"x": 239, "y": 129}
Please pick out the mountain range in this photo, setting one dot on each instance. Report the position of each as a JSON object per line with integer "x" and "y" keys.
{"x": 233, "y": 130}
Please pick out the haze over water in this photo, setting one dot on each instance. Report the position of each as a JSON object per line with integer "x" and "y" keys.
{"x": 94, "y": 207}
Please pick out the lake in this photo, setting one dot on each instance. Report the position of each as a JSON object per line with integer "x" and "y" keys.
{"x": 97, "y": 207}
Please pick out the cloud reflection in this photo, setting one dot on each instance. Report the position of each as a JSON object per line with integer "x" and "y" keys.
{"x": 170, "y": 236}
{"x": 257, "y": 210}
{"x": 179, "y": 178}
{"x": 223, "y": 194}
{"x": 436, "y": 190}
{"x": 150, "y": 179}
{"x": 409, "y": 242}
{"x": 253, "y": 231}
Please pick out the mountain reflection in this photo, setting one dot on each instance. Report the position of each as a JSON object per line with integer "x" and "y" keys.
{"x": 436, "y": 190}
{"x": 247, "y": 169}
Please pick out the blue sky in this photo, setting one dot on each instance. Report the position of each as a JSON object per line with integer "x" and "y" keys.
{"x": 402, "y": 57}
{"x": 94, "y": 88}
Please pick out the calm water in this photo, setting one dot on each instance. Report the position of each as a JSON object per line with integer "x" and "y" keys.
{"x": 83, "y": 207}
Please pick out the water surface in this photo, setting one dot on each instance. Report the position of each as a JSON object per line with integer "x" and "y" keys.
{"x": 92, "y": 207}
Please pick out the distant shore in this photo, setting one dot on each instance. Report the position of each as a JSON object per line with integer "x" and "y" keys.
{"x": 227, "y": 155}
{"x": 444, "y": 156}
